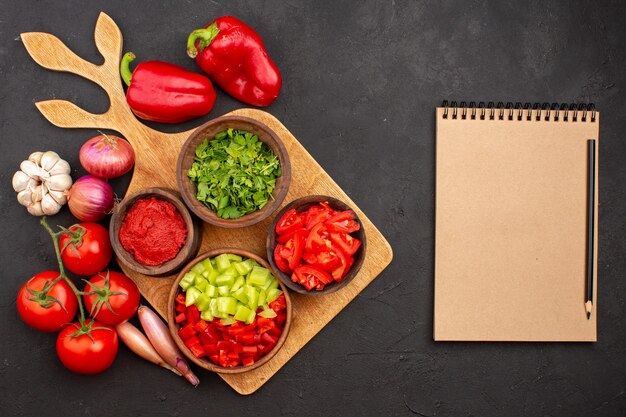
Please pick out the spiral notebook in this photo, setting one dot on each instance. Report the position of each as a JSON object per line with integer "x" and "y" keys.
{"x": 512, "y": 211}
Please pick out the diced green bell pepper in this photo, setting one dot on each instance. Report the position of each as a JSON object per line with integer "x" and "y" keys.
{"x": 227, "y": 305}
{"x": 242, "y": 313}
{"x": 238, "y": 284}
{"x": 272, "y": 294}
{"x": 222, "y": 261}
{"x": 268, "y": 313}
{"x": 192, "y": 295}
{"x": 259, "y": 276}
{"x": 206, "y": 315}
{"x": 227, "y": 280}
{"x": 203, "y": 302}
{"x": 234, "y": 258}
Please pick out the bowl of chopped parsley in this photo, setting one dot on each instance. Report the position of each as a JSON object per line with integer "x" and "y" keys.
{"x": 233, "y": 171}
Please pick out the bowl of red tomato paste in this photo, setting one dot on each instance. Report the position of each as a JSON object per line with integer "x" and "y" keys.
{"x": 316, "y": 245}
{"x": 227, "y": 312}
{"x": 153, "y": 233}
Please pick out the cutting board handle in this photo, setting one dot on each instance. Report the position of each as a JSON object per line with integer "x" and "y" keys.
{"x": 50, "y": 52}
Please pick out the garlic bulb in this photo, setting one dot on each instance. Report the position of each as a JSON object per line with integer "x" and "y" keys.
{"x": 41, "y": 183}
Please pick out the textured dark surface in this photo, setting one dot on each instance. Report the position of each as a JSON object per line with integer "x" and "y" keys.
{"x": 361, "y": 80}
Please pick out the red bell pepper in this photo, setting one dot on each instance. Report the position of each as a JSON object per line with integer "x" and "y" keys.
{"x": 164, "y": 92}
{"x": 234, "y": 56}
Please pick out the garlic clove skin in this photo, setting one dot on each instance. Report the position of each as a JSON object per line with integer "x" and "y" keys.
{"x": 31, "y": 169}
{"x": 59, "y": 196}
{"x": 25, "y": 197}
{"x": 38, "y": 193}
{"x": 49, "y": 160}
{"x": 60, "y": 182}
{"x": 35, "y": 209}
{"x": 35, "y": 157}
{"x": 61, "y": 167}
{"x": 49, "y": 206}
{"x": 20, "y": 181}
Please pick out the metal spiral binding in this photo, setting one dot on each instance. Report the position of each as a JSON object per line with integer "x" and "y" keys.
{"x": 530, "y": 111}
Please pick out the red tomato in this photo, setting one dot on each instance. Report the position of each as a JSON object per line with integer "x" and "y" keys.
{"x": 86, "y": 248}
{"x": 111, "y": 297}
{"x": 51, "y": 313}
{"x": 293, "y": 249}
{"x": 311, "y": 277}
{"x": 345, "y": 242}
{"x": 281, "y": 263}
{"x": 289, "y": 222}
{"x": 343, "y": 222}
{"x": 316, "y": 215}
{"x": 346, "y": 262}
{"x": 318, "y": 238}
{"x": 83, "y": 354}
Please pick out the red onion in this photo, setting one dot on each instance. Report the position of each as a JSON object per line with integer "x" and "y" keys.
{"x": 90, "y": 199}
{"x": 107, "y": 156}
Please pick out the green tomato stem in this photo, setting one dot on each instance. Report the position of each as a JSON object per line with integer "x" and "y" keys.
{"x": 62, "y": 274}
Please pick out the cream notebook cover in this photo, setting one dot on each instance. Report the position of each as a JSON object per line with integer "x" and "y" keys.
{"x": 511, "y": 223}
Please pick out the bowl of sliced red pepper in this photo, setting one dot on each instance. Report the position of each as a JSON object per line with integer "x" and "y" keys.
{"x": 316, "y": 245}
{"x": 227, "y": 312}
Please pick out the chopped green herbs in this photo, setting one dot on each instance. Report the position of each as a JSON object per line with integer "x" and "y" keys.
{"x": 235, "y": 173}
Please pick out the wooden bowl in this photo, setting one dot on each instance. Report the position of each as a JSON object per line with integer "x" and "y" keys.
{"x": 187, "y": 252}
{"x": 208, "y": 131}
{"x": 174, "y": 327}
{"x": 301, "y": 205}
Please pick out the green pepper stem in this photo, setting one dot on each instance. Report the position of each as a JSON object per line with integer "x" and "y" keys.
{"x": 205, "y": 35}
{"x": 62, "y": 274}
{"x": 125, "y": 71}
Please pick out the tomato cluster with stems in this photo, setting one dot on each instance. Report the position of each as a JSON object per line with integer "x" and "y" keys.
{"x": 49, "y": 301}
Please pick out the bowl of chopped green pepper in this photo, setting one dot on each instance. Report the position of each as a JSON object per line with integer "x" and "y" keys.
{"x": 233, "y": 171}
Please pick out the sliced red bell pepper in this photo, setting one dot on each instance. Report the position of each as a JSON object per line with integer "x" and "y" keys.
{"x": 201, "y": 326}
{"x": 197, "y": 351}
{"x": 249, "y": 350}
{"x": 180, "y": 318}
{"x": 193, "y": 315}
{"x": 247, "y": 360}
{"x": 210, "y": 349}
{"x": 237, "y": 328}
{"x": 280, "y": 319}
{"x": 348, "y": 244}
{"x": 180, "y": 308}
{"x": 192, "y": 341}
{"x": 275, "y": 331}
{"x": 180, "y": 299}
{"x": 278, "y": 304}
{"x": 264, "y": 324}
{"x": 225, "y": 345}
{"x": 186, "y": 332}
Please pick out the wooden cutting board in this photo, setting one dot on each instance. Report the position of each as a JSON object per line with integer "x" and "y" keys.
{"x": 156, "y": 155}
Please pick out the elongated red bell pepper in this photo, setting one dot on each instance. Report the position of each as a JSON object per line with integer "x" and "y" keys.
{"x": 164, "y": 92}
{"x": 234, "y": 56}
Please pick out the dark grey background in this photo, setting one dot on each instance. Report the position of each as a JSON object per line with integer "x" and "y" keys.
{"x": 361, "y": 81}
